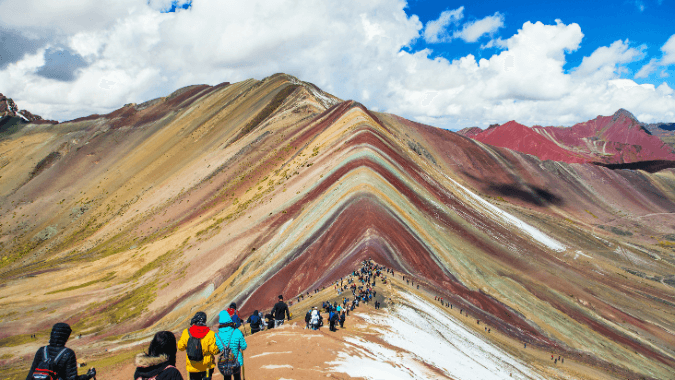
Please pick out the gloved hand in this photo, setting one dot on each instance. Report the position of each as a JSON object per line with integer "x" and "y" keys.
{"x": 92, "y": 373}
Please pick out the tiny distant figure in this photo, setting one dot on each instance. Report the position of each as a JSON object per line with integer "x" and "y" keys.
{"x": 524, "y": 345}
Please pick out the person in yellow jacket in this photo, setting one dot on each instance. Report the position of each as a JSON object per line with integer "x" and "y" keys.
{"x": 199, "y": 369}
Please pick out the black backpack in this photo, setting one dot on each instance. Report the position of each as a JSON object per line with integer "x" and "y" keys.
{"x": 194, "y": 349}
{"x": 46, "y": 369}
{"x": 228, "y": 364}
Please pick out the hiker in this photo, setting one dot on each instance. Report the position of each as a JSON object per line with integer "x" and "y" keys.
{"x": 159, "y": 363}
{"x": 308, "y": 317}
{"x": 234, "y": 314}
{"x": 199, "y": 342}
{"x": 333, "y": 319}
{"x": 315, "y": 321}
{"x": 230, "y": 337}
{"x": 269, "y": 321}
{"x": 56, "y": 359}
{"x": 342, "y": 319}
{"x": 255, "y": 322}
{"x": 279, "y": 310}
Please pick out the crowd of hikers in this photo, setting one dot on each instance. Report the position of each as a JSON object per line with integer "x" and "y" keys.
{"x": 207, "y": 349}
{"x": 202, "y": 345}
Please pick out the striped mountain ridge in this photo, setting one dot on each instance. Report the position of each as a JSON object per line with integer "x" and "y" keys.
{"x": 127, "y": 223}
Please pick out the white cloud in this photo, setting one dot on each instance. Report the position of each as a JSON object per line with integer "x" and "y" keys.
{"x": 474, "y": 30}
{"x": 606, "y": 60}
{"x": 436, "y": 31}
{"x": 647, "y": 69}
{"x": 668, "y": 50}
{"x": 63, "y": 16}
{"x": 667, "y": 59}
{"x": 354, "y": 51}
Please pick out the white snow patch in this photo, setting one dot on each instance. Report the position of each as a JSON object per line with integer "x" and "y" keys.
{"x": 275, "y": 366}
{"x": 427, "y": 337}
{"x": 506, "y": 217}
{"x": 23, "y": 117}
{"x": 271, "y": 353}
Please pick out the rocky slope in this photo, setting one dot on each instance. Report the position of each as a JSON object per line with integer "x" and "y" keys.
{"x": 127, "y": 223}
{"x": 615, "y": 139}
{"x": 9, "y": 109}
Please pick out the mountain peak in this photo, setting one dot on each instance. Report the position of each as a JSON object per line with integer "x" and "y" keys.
{"x": 623, "y": 112}
{"x": 8, "y": 108}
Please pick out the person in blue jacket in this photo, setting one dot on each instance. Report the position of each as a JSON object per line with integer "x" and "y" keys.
{"x": 233, "y": 338}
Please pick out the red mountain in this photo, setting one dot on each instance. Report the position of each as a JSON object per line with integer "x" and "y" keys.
{"x": 615, "y": 139}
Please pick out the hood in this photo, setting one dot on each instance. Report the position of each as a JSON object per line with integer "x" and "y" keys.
{"x": 144, "y": 360}
{"x": 199, "y": 331}
{"x": 149, "y": 367}
{"x": 60, "y": 334}
{"x": 224, "y": 317}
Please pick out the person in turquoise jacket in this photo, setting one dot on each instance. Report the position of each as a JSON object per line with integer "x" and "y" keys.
{"x": 228, "y": 335}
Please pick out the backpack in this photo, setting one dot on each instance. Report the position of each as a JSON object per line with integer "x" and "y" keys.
{"x": 46, "y": 369}
{"x": 194, "y": 349}
{"x": 157, "y": 375}
{"x": 228, "y": 364}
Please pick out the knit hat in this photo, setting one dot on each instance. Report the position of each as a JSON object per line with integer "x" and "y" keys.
{"x": 224, "y": 317}
{"x": 281, "y": 297}
{"x": 233, "y": 305}
{"x": 199, "y": 319}
{"x": 60, "y": 334}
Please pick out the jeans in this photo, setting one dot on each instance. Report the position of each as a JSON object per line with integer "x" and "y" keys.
{"x": 201, "y": 375}
{"x": 235, "y": 376}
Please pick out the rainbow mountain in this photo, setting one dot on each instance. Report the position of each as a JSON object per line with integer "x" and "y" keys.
{"x": 127, "y": 223}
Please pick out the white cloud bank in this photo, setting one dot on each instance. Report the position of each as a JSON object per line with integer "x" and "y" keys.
{"x": 352, "y": 50}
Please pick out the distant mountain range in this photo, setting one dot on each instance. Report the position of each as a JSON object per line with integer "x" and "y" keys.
{"x": 616, "y": 139}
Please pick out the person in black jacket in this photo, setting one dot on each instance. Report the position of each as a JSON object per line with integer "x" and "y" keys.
{"x": 280, "y": 309}
{"x": 255, "y": 321}
{"x": 66, "y": 366}
{"x": 160, "y": 361}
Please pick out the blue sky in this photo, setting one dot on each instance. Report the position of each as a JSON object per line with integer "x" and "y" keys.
{"x": 449, "y": 64}
{"x": 646, "y": 24}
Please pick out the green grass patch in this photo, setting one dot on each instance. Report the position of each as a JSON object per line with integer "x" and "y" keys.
{"x": 17, "y": 340}
{"x": 110, "y": 361}
{"x": 107, "y": 278}
{"x": 129, "y": 306}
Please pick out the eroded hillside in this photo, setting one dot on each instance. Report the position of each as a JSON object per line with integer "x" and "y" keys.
{"x": 127, "y": 223}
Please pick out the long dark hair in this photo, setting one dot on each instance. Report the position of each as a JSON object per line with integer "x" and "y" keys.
{"x": 164, "y": 343}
